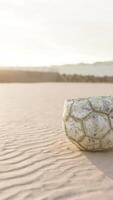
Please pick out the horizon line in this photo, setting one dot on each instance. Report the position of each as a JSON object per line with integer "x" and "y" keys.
{"x": 53, "y": 65}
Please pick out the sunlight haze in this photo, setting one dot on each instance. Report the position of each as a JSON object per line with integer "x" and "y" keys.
{"x": 46, "y": 32}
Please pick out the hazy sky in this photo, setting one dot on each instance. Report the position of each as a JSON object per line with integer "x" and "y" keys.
{"x": 45, "y": 32}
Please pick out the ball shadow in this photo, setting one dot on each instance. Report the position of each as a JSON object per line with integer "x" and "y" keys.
{"x": 102, "y": 160}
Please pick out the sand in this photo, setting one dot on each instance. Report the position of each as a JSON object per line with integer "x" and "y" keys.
{"x": 37, "y": 162}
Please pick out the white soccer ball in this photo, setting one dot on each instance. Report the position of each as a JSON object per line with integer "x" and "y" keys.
{"x": 88, "y": 122}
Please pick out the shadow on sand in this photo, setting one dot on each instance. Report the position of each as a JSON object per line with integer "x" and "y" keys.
{"x": 102, "y": 160}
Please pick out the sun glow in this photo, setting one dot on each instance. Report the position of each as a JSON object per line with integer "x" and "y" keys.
{"x": 44, "y": 32}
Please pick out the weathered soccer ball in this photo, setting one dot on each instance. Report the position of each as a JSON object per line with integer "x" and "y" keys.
{"x": 88, "y": 122}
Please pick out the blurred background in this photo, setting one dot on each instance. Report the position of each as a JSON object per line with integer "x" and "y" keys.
{"x": 56, "y": 40}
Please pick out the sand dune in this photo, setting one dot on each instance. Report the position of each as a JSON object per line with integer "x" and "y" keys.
{"x": 37, "y": 162}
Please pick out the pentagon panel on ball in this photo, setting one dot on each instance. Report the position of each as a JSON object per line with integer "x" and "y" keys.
{"x": 88, "y": 122}
{"x": 102, "y": 104}
{"x": 81, "y": 108}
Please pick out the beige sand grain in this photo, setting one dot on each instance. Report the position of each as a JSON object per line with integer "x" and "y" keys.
{"x": 37, "y": 162}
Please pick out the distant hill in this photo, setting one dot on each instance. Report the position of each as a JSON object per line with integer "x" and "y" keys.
{"x": 97, "y": 72}
{"x": 97, "y": 69}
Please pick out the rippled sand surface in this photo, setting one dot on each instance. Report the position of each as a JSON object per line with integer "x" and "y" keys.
{"x": 37, "y": 162}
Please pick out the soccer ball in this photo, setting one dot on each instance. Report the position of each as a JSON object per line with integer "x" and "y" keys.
{"x": 88, "y": 122}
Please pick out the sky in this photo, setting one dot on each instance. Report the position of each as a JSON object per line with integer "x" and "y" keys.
{"x": 51, "y": 32}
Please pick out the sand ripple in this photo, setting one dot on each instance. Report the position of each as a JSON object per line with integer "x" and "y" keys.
{"x": 37, "y": 162}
